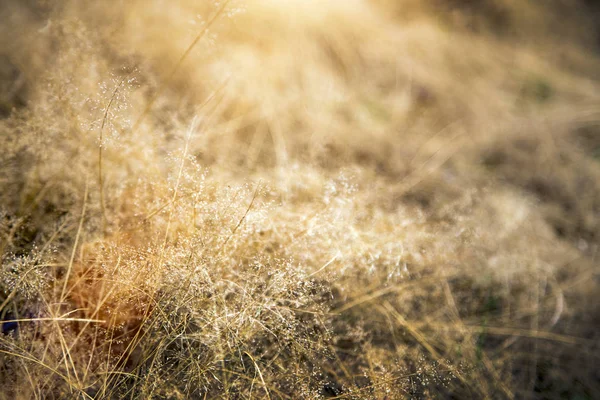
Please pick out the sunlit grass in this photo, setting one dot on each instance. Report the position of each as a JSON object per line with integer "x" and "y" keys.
{"x": 301, "y": 199}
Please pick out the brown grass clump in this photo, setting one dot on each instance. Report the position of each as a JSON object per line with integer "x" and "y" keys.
{"x": 365, "y": 199}
{"x": 106, "y": 287}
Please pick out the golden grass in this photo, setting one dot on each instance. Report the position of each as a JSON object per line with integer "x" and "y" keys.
{"x": 365, "y": 199}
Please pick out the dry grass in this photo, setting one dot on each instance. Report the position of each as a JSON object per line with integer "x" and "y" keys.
{"x": 365, "y": 199}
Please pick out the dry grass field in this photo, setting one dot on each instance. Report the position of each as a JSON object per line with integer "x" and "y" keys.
{"x": 299, "y": 199}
